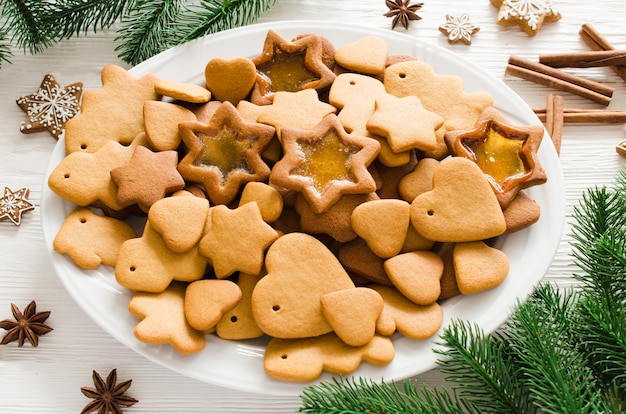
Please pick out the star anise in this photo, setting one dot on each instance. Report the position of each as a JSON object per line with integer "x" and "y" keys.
{"x": 107, "y": 396}
{"x": 28, "y": 325}
{"x": 402, "y": 12}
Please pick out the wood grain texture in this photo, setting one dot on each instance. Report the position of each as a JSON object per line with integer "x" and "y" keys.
{"x": 48, "y": 379}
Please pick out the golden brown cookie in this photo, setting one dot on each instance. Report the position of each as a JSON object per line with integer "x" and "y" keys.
{"x": 121, "y": 97}
{"x": 324, "y": 163}
{"x": 224, "y": 154}
{"x": 147, "y": 177}
{"x": 460, "y": 207}
{"x": 417, "y": 275}
{"x": 478, "y": 266}
{"x": 300, "y": 270}
{"x": 90, "y": 239}
{"x": 237, "y": 240}
{"x": 366, "y": 55}
{"x": 521, "y": 213}
{"x": 528, "y": 16}
{"x": 163, "y": 320}
{"x": 207, "y": 300}
{"x": 182, "y": 91}
{"x": 383, "y": 224}
{"x": 230, "y": 79}
{"x": 238, "y": 323}
{"x": 289, "y": 66}
{"x": 356, "y": 257}
{"x": 161, "y": 121}
{"x": 506, "y": 154}
{"x": 303, "y": 360}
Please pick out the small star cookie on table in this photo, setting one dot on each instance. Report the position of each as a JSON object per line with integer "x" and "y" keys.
{"x": 13, "y": 204}
{"x": 50, "y": 107}
{"x": 459, "y": 29}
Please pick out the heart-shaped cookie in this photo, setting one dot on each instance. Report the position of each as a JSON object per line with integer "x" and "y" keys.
{"x": 417, "y": 275}
{"x": 365, "y": 55}
{"x": 230, "y": 80}
{"x": 460, "y": 207}
{"x": 383, "y": 224}
{"x": 353, "y": 313}
{"x": 179, "y": 220}
{"x": 478, "y": 266}
{"x": 300, "y": 270}
{"x": 206, "y": 301}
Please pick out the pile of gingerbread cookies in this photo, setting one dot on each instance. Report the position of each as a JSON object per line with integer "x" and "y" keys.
{"x": 323, "y": 197}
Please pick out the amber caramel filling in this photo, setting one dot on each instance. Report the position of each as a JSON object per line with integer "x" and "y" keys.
{"x": 498, "y": 153}
{"x": 326, "y": 160}
{"x": 286, "y": 72}
{"x": 224, "y": 151}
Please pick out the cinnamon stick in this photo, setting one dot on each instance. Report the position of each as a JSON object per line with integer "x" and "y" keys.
{"x": 584, "y": 59}
{"x": 596, "y": 41}
{"x": 620, "y": 148}
{"x": 558, "y": 79}
{"x": 554, "y": 120}
{"x": 586, "y": 116}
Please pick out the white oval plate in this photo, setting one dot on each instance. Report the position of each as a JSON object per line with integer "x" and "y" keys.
{"x": 239, "y": 365}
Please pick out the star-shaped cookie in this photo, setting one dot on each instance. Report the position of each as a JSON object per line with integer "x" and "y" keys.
{"x": 225, "y": 153}
{"x": 405, "y": 123}
{"x": 529, "y": 15}
{"x": 237, "y": 240}
{"x": 147, "y": 177}
{"x": 302, "y": 110}
{"x": 51, "y": 106}
{"x": 111, "y": 113}
{"x": 324, "y": 163}
{"x": 289, "y": 66}
{"x": 13, "y": 204}
{"x": 459, "y": 29}
{"x": 506, "y": 154}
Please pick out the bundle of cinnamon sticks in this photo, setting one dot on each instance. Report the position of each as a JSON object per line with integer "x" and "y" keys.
{"x": 547, "y": 72}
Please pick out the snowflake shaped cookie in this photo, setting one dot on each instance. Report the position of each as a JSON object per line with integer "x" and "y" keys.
{"x": 458, "y": 29}
{"x": 50, "y": 107}
{"x": 529, "y": 15}
{"x": 13, "y": 204}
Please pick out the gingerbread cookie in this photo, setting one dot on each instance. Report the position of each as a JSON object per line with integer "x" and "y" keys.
{"x": 230, "y": 79}
{"x": 90, "y": 239}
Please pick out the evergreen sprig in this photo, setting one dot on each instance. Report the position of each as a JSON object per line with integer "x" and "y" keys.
{"x": 146, "y": 27}
{"x": 561, "y": 350}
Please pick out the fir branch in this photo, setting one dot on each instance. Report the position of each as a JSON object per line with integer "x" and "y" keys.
{"x": 25, "y": 20}
{"x": 482, "y": 369}
{"x": 73, "y": 17}
{"x": 540, "y": 333}
{"x": 147, "y": 29}
{"x": 212, "y": 16}
{"x": 5, "y": 48}
{"x": 352, "y": 396}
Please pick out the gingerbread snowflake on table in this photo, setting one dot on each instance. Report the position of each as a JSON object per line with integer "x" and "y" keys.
{"x": 50, "y": 107}
{"x": 459, "y": 29}
{"x": 13, "y": 204}
{"x": 529, "y": 15}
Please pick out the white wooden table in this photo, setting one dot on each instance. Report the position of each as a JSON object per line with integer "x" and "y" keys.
{"x": 47, "y": 379}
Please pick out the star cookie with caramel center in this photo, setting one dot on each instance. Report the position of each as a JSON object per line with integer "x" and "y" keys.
{"x": 302, "y": 110}
{"x": 324, "y": 163}
{"x": 147, "y": 177}
{"x": 506, "y": 153}
{"x": 111, "y": 113}
{"x": 224, "y": 154}
{"x": 289, "y": 66}
{"x": 50, "y": 107}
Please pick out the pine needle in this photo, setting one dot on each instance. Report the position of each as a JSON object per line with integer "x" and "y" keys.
{"x": 25, "y": 20}
{"x": 212, "y": 16}
{"x": 73, "y": 17}
{"x": 5, "y": 48}
{"x": 147, "y": 29}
